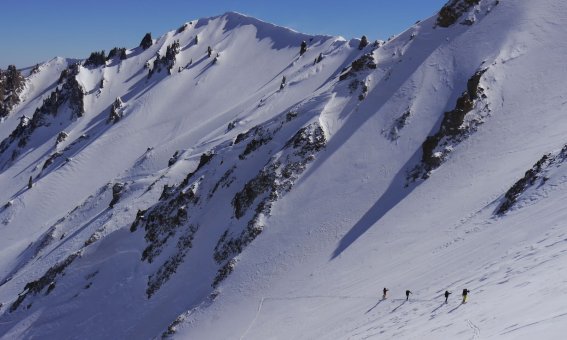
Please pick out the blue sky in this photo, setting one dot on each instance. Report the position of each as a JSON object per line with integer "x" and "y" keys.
{"x": 37, "y": 30}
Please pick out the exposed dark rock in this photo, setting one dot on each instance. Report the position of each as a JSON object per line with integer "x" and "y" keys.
{"x": 365, "y": 62}
{"x": 261, "y": 137}
{"x": 51, "y": 159}
{"x": 231, "y": 126}
{"x": 473, "y": 84}
{"x": 291, "y": 115}
{"x": 96, "y": 59}
{"x": 48, "y": 279}
{"x": 225, "y": 181}
{"x": 224, "y": 272}
{"x": 61, "y": 137}
{"x": 166, "y": 192}
{"x": 272, "y": 182}
{"x": 173, "y": 159}
{"x": 147, "y": 41}
{"x": 532, "y": 177}
{"x": 117, "y": 189}
{"x": 116, "y": 111}
{"x": 363, "y": 43}
{"x": 155, "y": 281}
{"x": 93, "y": 238}
{"x": 11, "y": 85}
{"x": 453, "y": 10}
{"x": 182, "y": 28}
{"x": 162, "y": 221}
{"x": 117, "y": 52}
{"x": 35, "y": 70}
{"x": 73, "y": 92}
{"x": 140, "y": 215}
{"x": 243, "y": 136}
{"x": 167, "y": 61}
{"x": 205, "y": 159}
{"x": 50, "y": 288}
{"x": 258, "y": 185}
{"x": 452, "y": 131}
{"x": 398, "y": 125}
{"x": 303, "y": 48}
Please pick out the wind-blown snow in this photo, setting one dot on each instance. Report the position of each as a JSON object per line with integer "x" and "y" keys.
{"x": 338, "y": 223}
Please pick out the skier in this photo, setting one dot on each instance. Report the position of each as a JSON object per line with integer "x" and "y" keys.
{"x": 385, "y": 290}
{"x": 447, "y": 293}
{"x": 408, "y": 292}
{"x": 465, "y": 292}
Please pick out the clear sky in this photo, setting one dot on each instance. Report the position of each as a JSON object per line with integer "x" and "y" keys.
{"x": 37, "y": 30}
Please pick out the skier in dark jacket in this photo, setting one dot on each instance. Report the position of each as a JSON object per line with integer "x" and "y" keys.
{"x": 385, "y": 290}
{"x": 408, "y": 292}
{"x": 465, "y": 292}
{"x": 447, "y": 293}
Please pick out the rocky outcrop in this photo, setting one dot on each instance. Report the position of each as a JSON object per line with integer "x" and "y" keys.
{"x": 167, "y": 61}
{"x": 366, "y": 62}
{"x": 163, "y": 220}
{"x": 453, "y": 10}
{"x": 47, "y": 280}
{"x": 272, "y": 182}
{"x": 11, "y": 85}
{"x": 69, "y": 92}
{"x": 117, "y": 189}
{"x": 534, "y": 177}
{"x": 116, "y": 111}
{"x": 166, "y": 270}
{"x": 456, "y": 125}
{"x": 399, "y": 123}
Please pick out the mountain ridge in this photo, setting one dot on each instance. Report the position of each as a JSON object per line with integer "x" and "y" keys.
{"x": 256, "y": 190}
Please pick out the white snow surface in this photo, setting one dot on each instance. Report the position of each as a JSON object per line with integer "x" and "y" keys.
{"x": 350, "y": 225}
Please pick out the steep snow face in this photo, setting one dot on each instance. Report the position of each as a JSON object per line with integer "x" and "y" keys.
{"x": 221, "y": 184}
{"x": 159, "y": 143}
{"x": 357, "y": 222}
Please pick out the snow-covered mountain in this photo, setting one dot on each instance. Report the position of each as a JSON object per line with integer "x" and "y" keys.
{"x": 238, "y": 180}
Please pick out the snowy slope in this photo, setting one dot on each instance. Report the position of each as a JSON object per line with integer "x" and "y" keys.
{"x": 222, "y": 205}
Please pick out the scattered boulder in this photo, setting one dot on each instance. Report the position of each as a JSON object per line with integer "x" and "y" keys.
{"x": 117, "y": 189}
{"x": 173, "y": 159}
{"x": 303, "y": 48}
{"x": 283, "y": 83}
{"x": 116, "y": 111}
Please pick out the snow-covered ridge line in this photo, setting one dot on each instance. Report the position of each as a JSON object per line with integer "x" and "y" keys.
{"x": 257, "y": 186}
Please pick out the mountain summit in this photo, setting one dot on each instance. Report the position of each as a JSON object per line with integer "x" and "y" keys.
{"x": 233, "y": 179}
